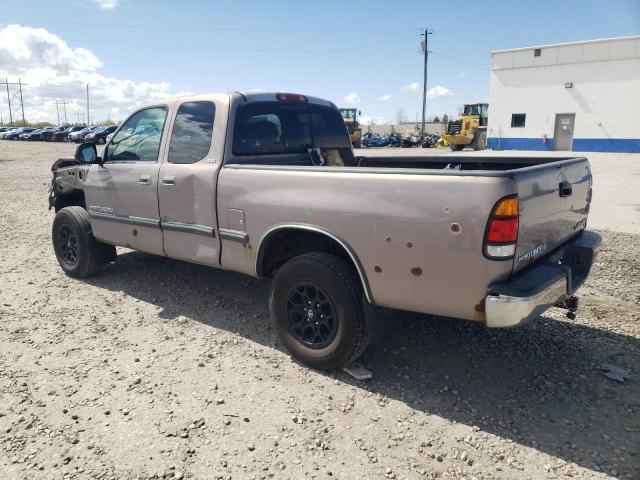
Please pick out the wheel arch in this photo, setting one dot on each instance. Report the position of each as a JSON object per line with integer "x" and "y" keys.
{"x": 313, "y": 239}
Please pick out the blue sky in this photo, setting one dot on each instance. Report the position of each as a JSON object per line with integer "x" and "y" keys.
{"x": 363, "y": 53}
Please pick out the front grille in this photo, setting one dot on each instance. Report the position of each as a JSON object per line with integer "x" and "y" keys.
{"x": 454, "y": 127}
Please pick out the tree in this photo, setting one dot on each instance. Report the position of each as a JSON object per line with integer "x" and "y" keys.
{"x": 445, "y": 118}
{"x": 107, "y": 122}
{"x": 436, "y": 119}
{"x": 401, "y": 116}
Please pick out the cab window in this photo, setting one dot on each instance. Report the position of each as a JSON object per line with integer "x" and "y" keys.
{"x": 192, "y": 132}
{"x": 139, "y": 138}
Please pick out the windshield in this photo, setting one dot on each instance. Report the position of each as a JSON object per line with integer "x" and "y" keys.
{"x": 287, "y": 127}
{"x": 477, "y": 109}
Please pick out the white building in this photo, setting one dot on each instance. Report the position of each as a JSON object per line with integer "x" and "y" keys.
{"x": 582, "y": 96}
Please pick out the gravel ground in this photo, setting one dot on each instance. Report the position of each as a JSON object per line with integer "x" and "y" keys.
{"x": 160, "y": 369}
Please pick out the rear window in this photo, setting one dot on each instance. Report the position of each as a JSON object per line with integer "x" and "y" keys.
{"x": 264, "y": 128}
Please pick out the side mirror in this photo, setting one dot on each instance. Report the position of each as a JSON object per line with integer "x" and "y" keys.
{"x": 86, "y": 153}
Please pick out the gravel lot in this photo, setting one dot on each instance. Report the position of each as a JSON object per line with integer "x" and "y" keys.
{"x": 160, "y": 369}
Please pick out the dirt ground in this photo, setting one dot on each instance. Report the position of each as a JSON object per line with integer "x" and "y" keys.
{"x": 160, "y": 369}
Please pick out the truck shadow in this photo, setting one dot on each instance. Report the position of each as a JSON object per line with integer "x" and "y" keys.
{"x": 538, "y": 386}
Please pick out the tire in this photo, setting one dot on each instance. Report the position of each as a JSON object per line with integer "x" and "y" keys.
{"x": 78, "y": 252}
{"x": 455, "y": 147}
{"x": 480, "y": 142}
{"x": 336, "y": 286}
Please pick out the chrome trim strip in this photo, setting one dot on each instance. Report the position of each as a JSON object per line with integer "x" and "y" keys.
{"x": 312, "y": 228}
{"x": 188, "y": 228}
{"x": 507, "y": 311}
{"x": 139, "y": 221}
{"x": 234, "y": 235}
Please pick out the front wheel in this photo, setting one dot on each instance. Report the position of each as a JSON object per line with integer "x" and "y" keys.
{"x": 456, "y": 147}
{"x": 77, "y": 250}
{"x": 317, "y": 310}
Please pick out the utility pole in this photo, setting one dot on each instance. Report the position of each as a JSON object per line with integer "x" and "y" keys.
{"x": 58, "y": 112}
{"x": 87, "y": 104}
{"x": 21, "y": 102}
{"x": 425, "y": 47}
{"x": 6, "y": 82}
{"x": 64, "y": 106}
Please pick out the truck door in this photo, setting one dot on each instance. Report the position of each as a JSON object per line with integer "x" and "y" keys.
{"x": 122, "y": 194}
{"x": 187, "y": 185}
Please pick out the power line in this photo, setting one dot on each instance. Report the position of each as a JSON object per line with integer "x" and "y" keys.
{"x": 453, "y": 59}
{"x": 237, "y": 49}
{"x": 346, "y": 29}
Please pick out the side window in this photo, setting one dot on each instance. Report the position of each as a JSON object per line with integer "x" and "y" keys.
{"x": 258, "y": 130}
{"x": 192, "y": 132}
{"x": 139, "y": 138}
{"x": 518, "y": 120}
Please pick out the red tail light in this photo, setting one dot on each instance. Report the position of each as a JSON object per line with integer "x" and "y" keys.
{"x": 502, "y": 229}
{"x": 291, "y": 97}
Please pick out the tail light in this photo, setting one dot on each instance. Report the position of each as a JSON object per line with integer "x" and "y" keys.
{"x": 291, "y": 97}
{"x": 501, "y": 234}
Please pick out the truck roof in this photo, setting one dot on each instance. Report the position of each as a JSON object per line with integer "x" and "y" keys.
{"x": 248, "y": 97}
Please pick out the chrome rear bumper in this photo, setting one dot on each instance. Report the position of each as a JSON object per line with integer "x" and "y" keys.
{"x": 545, "y": 284}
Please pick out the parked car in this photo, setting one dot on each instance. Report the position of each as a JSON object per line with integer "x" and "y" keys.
{"x": 80, "y": 134}
{"x": 39, "y": 135}
{"x": 496, "y": 240}
{"x": 26, "y": 134}
{"x": 100, "y": 134}
{"x": 7, "y": 132}
{"x": 63, "y": 135}
{"x": 15, "y": 134}
{"x": 48, "y": 135}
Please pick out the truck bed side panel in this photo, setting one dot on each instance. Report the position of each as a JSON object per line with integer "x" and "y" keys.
{"x": 399, "y": 225}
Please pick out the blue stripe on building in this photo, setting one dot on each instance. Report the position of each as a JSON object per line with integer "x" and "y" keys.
{"x": 631, "y": 145}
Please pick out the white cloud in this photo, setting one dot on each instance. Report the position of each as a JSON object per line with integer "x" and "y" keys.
{"x": 384, "y": 98}
{"x": 439, "y": 91}
{"x": 463, "y": 75}
{"x": 53, "y": 70}
{"x": 367, "y": 120}
{"x": 107, "y": 4}
{"x": 352, "y": 98}
{"x": 412, "y": 87}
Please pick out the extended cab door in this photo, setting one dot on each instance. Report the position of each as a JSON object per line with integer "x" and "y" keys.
{"x": 187, "y": 183}
{"x": 122, "y": 194}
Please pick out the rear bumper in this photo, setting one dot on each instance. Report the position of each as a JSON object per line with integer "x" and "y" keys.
{"x": 542, "y": 285}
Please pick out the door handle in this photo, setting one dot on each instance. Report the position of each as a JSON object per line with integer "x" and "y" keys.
{"x": 144, "y": 179}
{"x": 168, "y": 180}
{"x": 565, "y": 189}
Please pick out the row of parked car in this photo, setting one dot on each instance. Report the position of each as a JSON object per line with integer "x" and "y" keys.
{"x": 78, "y": 134}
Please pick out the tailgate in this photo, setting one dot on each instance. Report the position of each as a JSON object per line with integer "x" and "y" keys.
{"x": 554, "y": 203}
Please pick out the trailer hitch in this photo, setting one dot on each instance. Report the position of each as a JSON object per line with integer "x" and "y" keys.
{"x": 570, "y": 304}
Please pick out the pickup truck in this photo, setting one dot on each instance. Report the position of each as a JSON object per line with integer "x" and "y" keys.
{"x": 267, "y": 184}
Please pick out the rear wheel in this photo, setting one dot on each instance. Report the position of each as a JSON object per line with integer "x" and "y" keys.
{"x": 78, "y": 252}
{"x": 456, "y": 147}
{"x": 317, "y": 310}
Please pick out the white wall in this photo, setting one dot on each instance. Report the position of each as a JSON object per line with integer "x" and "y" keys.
{"x": 605, "y": 96}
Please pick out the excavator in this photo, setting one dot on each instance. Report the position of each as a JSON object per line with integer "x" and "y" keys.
{"x": 350, "y": 116}
{"x": 470, "y": 129}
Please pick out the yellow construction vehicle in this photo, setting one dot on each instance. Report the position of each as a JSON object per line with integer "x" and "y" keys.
{"x": 350, "y": 116}
{"x": 470, "y": 129}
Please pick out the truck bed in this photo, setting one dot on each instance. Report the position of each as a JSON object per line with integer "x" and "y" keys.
{"x": 467, "y": 163}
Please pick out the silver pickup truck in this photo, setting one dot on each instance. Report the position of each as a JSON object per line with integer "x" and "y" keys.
{"x": 268, "y": 185}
